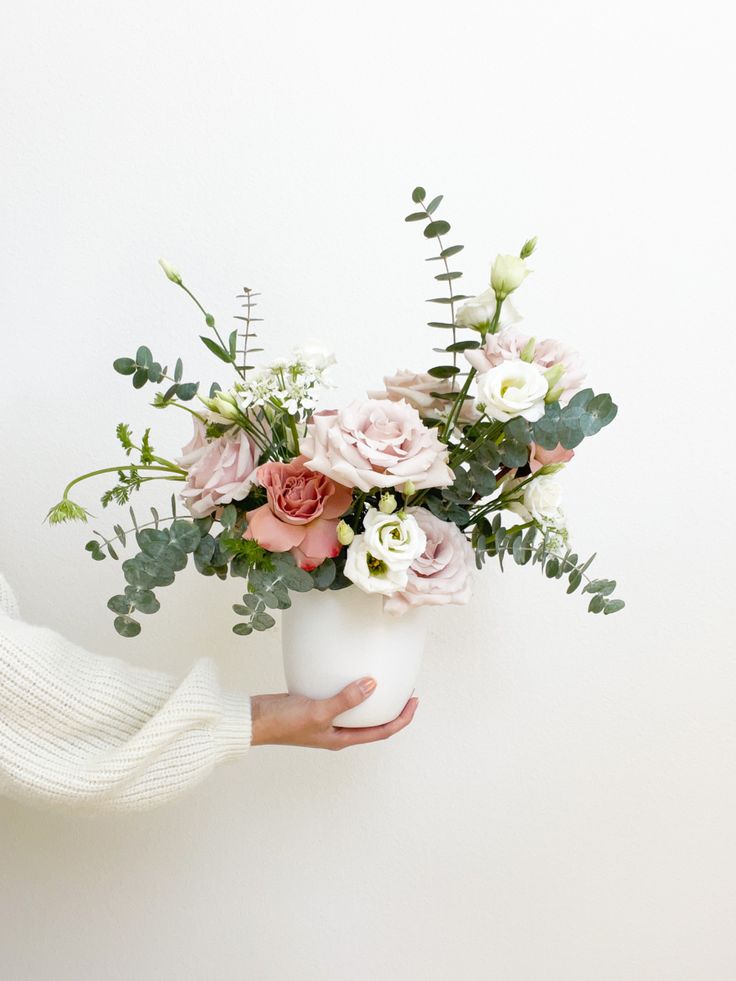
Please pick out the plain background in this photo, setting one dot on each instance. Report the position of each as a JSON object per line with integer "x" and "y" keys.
{"x": 563, "y": 806}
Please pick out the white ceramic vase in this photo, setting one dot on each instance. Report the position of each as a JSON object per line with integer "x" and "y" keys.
{"x": 334, "y": 637}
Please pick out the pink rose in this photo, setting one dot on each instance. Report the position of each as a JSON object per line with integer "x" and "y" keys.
{"x": 222, "y": 473}
{"x": 196, "y": 446}
{"x": 539, "y": 457}
{"x": 416, "y": 388}
{"x": 301, "y": 515}
{"x": 376, "y": 443}
{"x": 508, "y": 344}
{"x": 441, "y": 574}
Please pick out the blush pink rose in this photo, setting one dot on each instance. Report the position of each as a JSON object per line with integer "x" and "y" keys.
{"x": 301, "y": 515}
{"x": 442, "y": 573}
{"x": 221, "y": 473}
{"x": 508, "y": 344}
{"x": 196, "y": 446}
{"x": 376, "y": 443}
{"x": 539, "y": 457}
{"x": 416, "y": 388}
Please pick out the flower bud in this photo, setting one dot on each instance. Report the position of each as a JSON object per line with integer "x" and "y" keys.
{"x": 528, "y": 353}
{"x": 224, "y": 404}
{"x": 549, "y": 468}
{"x": 171, "y": 273}
{"x": 345, "y": 533}
{"x": 528, "y": 247}
{"x": 387, "y": 504}
{"x": 408, "y": 489}
{"x": 507, "y": 274}
{"x": 553, "y": 375}
{"x": 553, "y": 395}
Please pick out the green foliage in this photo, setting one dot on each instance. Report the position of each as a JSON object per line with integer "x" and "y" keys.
{"x": 434, "y": 230}
{"x": 163, "y": 553}
{"x": 526, "y": 543}
{"x": 129, "y": 481}
{"x": 584, "y": 415}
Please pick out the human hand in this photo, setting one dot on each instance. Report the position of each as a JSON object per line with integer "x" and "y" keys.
{"x": 295, "y": 720}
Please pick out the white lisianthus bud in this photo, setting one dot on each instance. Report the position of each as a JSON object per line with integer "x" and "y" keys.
{"x": 528, "y": 247}
{"x": 387, "y": 504}
{"x": 511, "y": 389}
{"x": 171, "y": 273}
{"x": 224, "y": 404}
{"x": 408, "y": 489}
{"x": 553, "y": 376}
{"x": 507, "y": 274}
{"x": 345, "y": 533}
{"x": 477, "y": 312}
{"x": 528, "y": 352}
{"x": 550, "y": 468}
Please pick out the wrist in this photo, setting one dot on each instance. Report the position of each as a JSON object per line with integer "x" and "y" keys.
{"x": 262, "y": 727}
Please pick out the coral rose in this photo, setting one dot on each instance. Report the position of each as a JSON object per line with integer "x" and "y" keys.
{"x": 301, "y": 515}
{"x": 539, "y": 457}
{"x": 376, "y": 443}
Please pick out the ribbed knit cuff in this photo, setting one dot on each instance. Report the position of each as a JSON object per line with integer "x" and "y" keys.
{"x": 235, "y": 729}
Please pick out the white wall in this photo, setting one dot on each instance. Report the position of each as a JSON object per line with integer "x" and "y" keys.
{"x": 563, "y": 806}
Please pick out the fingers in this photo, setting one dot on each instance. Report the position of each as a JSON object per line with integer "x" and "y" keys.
{"x": 371, "y": 734}
{"x": 352, "y": 695}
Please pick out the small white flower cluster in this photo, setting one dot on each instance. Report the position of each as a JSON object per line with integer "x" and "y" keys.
{"x": 288, "y": 383}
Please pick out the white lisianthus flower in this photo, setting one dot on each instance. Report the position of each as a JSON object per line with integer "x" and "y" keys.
{"x": 543, "y": 500}
{"x": 478, "y": 311}
{"x": 511, "y": 389}
{"x": 371, "y": 574}
{"x": 395, "y": 539}
{"x": 378, "y": 561}
{"x": 507, "y": 274}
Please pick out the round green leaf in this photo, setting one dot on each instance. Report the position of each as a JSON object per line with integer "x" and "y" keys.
{"x": 124, "y": 366}
{"x": 127, "y": 627}
{"x": 263, "y": 621}
{"x": 435, "y": 228}
{"x": 418, "y": 194}
{"x": 119, "y": 604}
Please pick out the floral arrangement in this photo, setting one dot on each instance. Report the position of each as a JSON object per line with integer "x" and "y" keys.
{"x": 401, "y": 494}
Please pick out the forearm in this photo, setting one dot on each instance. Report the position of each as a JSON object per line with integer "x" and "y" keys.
{"x": 93, "y": 732}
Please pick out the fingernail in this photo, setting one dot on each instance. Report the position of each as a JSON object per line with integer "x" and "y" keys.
{"x": 367, "y": 685}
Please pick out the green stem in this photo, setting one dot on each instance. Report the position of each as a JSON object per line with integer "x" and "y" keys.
{"x": 208, "y": 317}
{"x": 457, "y": 406}
{"x": 97, "y": 473}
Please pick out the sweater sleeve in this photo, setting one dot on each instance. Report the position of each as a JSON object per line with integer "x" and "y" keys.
{"x": 94, "y": 732}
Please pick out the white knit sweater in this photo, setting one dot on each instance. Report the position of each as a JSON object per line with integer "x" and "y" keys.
{"x": 89, "y": 731}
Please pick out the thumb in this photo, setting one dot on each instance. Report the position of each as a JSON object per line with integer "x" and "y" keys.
{"x": 352, "y": 695}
